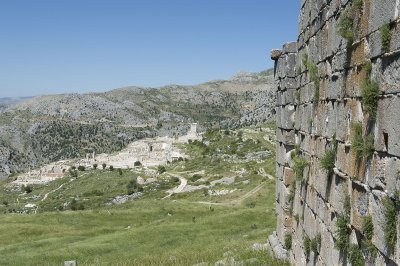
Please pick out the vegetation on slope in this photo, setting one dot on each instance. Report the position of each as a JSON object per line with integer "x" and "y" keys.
{"x": 185, "y": 229}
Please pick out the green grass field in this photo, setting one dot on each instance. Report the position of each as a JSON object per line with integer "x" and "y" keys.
{"x": 150, "y": 230}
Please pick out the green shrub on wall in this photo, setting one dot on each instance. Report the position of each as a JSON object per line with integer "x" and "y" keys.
{"x": 390, "y": 222}
{"x": 386, "y": 36}
{"x": 346, "y": 22}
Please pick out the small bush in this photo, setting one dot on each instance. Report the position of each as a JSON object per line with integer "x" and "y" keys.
{"x": 304, "y": 59}
{"x": 328, "y": 160}
{"x": 161, "y": 169}
{"x": 195, "y": 177}
{"x": 370, "y": 96}
{"x": 342, "y": 234}
{"x": 104, "y": 165}
{"x": 307, "y": 244}
{"x": 137, "y": 163}
{"x": 81, "y": 168}
{"x": 111, "y": 168}
{"x": 120, "y": 171}
{"x": 386, "y": 36}
{"x": 356, "y": 257}
{"x": 346, "y": 25}
{"x": 362, "y": 148}
{"x": 133, "y": 187}
{"x": 315, "y": 244}
{"x": 28, "y": 189}
{"x": 368, "y": 68}
{"x": 73, "y": 173}
{"x": 359, "y": 4}
{"x": 5, "y": 203}
{"x": 368, "y": 227}
{"x": 300, "y": 164}
{"x": 95, "y": 166}
{"x": 288, "y": 241}
{"x": 74, "y": 205}
{"x": 390, "y": 222}
{"x": 291, "y": 196}
{"x": 314, "y": 77}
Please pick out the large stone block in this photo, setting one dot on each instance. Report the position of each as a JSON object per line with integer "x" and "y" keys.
{"x": 335, "y": 86}
{"x": 288, "y": 176}
{"x": 337, "y": 193}
{"x": 346, "y": 160}
{"x": 376, "y": 177}
{"x": 387, "y": 73}
{"x": 290, "y": 83}
{"x": 378, "y": 218}
{"x": 340, "y": 61}
{"x": 375, "y": 44}
{"x": 381, "y": 12}
{"x": 388, "y": 126}
{"x": 359, "y": 203}
{"x": 290, "y": 47}
{"x": 286, "y": 136}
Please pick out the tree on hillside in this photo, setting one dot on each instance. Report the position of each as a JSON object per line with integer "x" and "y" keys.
{"x": 104, "y": 165}
{"x": 161, "y": 169}
{"x": 95, "y": 166}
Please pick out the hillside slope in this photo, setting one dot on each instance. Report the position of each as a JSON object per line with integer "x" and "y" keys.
{"x": 56, "y": 127}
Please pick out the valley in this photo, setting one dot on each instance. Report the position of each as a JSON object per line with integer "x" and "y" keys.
{"x": 44, "y": 129}
{"x": 214, "y": 206}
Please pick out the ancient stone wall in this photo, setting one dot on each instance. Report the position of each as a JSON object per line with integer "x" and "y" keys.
{"x": 338, "y": 135}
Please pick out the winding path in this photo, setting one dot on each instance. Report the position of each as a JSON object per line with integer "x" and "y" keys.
{"x": 179, "y": 188}
{"x": 54, "y": 190}
{"x": 235, "y": 201}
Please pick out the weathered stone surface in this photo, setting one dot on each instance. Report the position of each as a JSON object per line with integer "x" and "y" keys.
{"x": 375, "y": 44}
{"x": 312, "y": 123}
{"x": 290, "y": 47}
{"x": 389, "y": 77}
{"x": 388, "y": 125}
{"x": 275, "y": 54}
{"x": 382, "y": 11}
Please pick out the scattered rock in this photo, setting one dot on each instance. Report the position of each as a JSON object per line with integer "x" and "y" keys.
{"x": 122, "y": 199}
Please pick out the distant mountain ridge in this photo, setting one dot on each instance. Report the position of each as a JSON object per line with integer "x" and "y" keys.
{"x": 42, "y": 129}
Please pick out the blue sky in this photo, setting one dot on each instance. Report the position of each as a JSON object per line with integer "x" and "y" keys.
{"x": 50, "y": 47}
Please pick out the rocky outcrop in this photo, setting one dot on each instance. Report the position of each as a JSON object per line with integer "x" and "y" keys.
{"x": 58, "y": 127}
{"x": 338, "y": 149}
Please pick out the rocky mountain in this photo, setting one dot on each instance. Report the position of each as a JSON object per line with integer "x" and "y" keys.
{"x": 55, "y": 127}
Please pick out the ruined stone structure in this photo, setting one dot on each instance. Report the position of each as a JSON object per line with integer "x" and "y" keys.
{"x": 338, "y": 140}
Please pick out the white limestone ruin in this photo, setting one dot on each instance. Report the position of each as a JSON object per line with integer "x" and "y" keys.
{"x": 149, "y": 152}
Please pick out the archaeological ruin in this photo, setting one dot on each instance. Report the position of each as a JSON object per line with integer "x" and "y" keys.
{"x": 338, "y": 148}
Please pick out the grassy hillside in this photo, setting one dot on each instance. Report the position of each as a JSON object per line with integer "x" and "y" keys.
{"x": 184, "y": 229}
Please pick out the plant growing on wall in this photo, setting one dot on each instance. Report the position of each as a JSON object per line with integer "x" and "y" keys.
{"x": 359, "y": 4}
{"x": 314, "y": 77}
{"x": 368, "y": 231}
{"x": 362, "y": 147}
{"x": 386, "y": 36}
{"x": 328, "y": 160}
{"x": 291, "y": 196}
{"x": 390, "y": 225}
{"x": 306, "y": 244}
{"x": 370, "y": 92}
{"x": 346, "y": 22}
{"x": 356, "y": 257}
{"x": 300, "y": 163}
{"x": 368, "y": 227}
{"x": 288, "y": 241}
{"x": 315, "y": 244}
{"x": 342, "y": 230}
